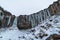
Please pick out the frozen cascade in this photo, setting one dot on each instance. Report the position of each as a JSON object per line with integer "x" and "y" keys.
{"x": 15, "y": 22}
{"x": 48, "y": 13}
{"x": 39, "y": 17}
{"x": 35, "y": 19}
{"x": 32, "y": 19}
{"x": 43, "y": 24}
{"x": 9, "y": 19}
{"x": 44, "y": 15}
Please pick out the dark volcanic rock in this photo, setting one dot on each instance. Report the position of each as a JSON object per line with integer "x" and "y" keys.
{"x": 54, "y": 37}
{"x": 23, "y": 22}
{"x": 29, "y": 21}
{"x": 12, "y": 20}
{"x": 5, "y": 21}
{"x": 6, "y": 13}
{"x": 0, "y": 23}
{"x": 55, "y": 8}
{"x": 5, "y": 17}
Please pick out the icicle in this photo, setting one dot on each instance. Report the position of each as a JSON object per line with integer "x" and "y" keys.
{"x": 48, "y": 13}
{"x": 9, "y": 20}
{"x": 41, "y": 16}
{"x": 38, "y": 18}
{"x": 15, "y": 21}
{"x": 44, "y": 14}
{"x": 29, "y": 18}
{"x": 32, "y": 20}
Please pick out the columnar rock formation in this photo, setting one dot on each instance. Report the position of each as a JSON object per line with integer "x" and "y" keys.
{"x": 6, "y": 18}
{"x": 55, "y": 8}
{"x": 29, "y": 21}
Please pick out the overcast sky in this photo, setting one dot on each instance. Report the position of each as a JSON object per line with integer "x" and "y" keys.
{"x": 22, "y": 7}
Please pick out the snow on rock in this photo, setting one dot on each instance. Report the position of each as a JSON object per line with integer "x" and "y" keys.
{"x": 40, "y": 32}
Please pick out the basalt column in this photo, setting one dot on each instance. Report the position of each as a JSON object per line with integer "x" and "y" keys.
{"x": 11, "y": 21}
{"x": 23, "y": 22}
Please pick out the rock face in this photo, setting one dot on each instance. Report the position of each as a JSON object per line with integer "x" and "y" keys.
{"x": 29, "y": 21}
{"x": 6, "y": 13}
{"x": 5, "y": 21}
{"x": 23, "y": 22}
{"x": 11, "y": 20}
{"x": 54, "y": 37}
{"x": 55, "y": 8}
{"x": 5, "y": 17}
{"x": 38, "y": 17}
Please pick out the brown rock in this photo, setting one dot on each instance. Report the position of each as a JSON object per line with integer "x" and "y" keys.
{"x": 11, "y": 21}
{"x": 23, "y": 22}
{"x": 54, "y": 8}
{"x": 6, "y": 13}
{"x": 5, "y": 21}
{"x": 54, "y": 37}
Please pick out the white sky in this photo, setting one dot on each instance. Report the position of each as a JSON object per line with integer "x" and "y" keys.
{"x": 22, "y": 7}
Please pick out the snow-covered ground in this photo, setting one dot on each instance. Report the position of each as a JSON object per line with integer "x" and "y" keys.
{"x": 49, "y": 26}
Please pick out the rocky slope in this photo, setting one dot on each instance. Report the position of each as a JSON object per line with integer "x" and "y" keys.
{"x": 29, "y": 21}
{"x": 42, "y": 25}
{"x": 48, "y": 30}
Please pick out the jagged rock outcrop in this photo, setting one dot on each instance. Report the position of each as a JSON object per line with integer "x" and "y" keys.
{"x": 6, "y": 18}
{"x": 55, "y": 8}
{"x": 6, "y": 13}
{"x": 5, "y": 21}
{"x": 23, "y": 22}
{"x": 54, "y": 37}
